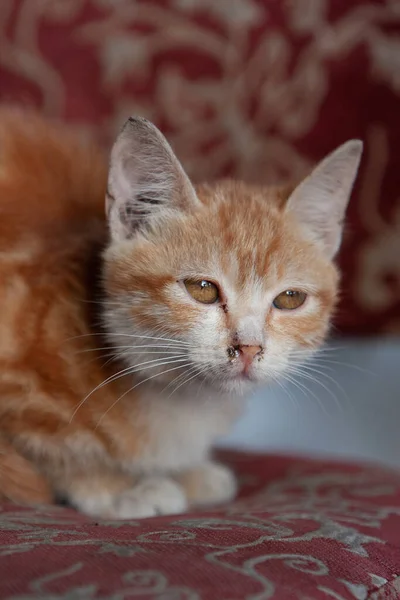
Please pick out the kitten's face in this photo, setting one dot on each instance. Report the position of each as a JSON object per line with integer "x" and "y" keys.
{"x": 230, "y": 284}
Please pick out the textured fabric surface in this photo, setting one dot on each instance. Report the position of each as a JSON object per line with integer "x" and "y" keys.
{"x": 259, "y": 89}
{"x": 301, "y": 530}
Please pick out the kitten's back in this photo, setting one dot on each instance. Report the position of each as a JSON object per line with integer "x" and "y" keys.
{"x": 48, "y": 176}
{"x": 52, "y": 188}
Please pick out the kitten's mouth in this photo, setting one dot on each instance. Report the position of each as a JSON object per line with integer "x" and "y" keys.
{"x": 245, "y": 375}
{"x": 244, "y": 371}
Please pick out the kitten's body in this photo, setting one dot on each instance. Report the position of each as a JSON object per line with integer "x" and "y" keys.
{"x": 107, "y": 448}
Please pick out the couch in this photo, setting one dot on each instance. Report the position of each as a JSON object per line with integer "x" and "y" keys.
{"x": 300, "y": 530}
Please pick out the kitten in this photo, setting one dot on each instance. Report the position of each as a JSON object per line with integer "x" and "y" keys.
{"x": 128, "y": 342}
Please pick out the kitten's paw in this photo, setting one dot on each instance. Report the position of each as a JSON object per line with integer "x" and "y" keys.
{"x": 151, "y": 496}
{"x": 210, "y": 483}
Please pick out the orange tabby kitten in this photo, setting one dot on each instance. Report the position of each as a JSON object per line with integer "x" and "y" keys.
{"x": 128, "y": 340}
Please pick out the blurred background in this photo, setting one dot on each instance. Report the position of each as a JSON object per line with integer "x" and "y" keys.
{"x": 259, "y": 90}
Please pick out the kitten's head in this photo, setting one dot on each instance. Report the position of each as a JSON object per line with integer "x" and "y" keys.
{"x": 227, "y": 283}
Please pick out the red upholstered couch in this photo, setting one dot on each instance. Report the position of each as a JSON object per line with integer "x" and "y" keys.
{"x": 259, "y": 89}
{"x": 302, "y": 530}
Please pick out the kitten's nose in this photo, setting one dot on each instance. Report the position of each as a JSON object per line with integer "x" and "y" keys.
{"x": 247, "y": 353}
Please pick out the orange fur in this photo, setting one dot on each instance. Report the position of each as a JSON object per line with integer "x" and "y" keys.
{"x": 19, "y": 481}
{"x": 52, "y": 231}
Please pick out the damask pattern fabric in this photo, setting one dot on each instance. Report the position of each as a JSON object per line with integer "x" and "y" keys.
{"x": 258, "y": 89}
{"x": 301, "y": 530}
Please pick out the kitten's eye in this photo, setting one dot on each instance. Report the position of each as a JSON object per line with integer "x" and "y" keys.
{"x": 202, "y": 291}
{"x": 289, "y": 300}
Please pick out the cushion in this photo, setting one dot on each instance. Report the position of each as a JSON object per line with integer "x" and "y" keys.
{"x": 258, "y": 89}
{"x": 300, "y": 530}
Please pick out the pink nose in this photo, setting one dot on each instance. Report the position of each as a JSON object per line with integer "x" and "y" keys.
{"x": 248, "y": 353}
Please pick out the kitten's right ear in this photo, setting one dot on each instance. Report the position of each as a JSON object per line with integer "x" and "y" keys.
{"x": 145, "y": 179}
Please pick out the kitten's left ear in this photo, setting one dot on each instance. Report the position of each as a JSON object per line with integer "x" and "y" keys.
{"x": 319, "y": 203}
{"x": 145, "y": 179}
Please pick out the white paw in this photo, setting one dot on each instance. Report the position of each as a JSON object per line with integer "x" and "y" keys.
{"x": 210, "y": 483}
{"x": 150, "y": 497}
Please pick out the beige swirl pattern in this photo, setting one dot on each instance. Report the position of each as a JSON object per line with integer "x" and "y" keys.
{"x": 300, "y": 530}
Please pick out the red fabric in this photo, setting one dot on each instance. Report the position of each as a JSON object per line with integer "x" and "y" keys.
{"x": 259, "y": 89}
{"x": 302, "y": 530}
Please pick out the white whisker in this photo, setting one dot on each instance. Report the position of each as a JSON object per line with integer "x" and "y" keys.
{"x": 291, "y": 397}
{"x": 305, "y": 390}
{"x": 177, "y": 378}
{"x": 320, "y": 383}
{"x": 129, "y": 371}
{"x": 135, "y": 386}
{"x": 306, "y": 372}
{"x": 322, "y": 361}
{"x": 144, "y": 347}
{"x": 174, "y": 380}
{"x": 191, "y": 375}
{"x": 129, "y": 335}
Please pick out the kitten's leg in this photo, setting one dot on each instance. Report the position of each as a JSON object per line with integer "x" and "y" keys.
{"x": 102, "y": 492}
{"x": 116, "y": 497}
{"x": 75, "y": 467}
{"x": 209, "y": 483}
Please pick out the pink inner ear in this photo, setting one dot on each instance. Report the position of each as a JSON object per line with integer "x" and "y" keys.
{"x": 144, "y": 176}
{"x": 319, "y": 203}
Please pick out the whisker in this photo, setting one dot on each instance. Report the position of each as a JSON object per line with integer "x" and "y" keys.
{"x": 174, "y": 380}
{"x": 192, "y": 374}
{"x": 309, "y": 377}
{"x": 177, "y": 378}
{"x": 203, "y": 380}
{"x": 311, "y": 369}
{"x": 321, "y": 357}
{"x": 150, "y": 337}
{"x": 135, "y": 386}
{"x": 330, "y": 348}
{"x": 129, "y": 335}
{"x": 305, "y": 390}
{"x": 319, "y": 351}
{"x": 128, "y": 371}
{"x": 171, "y": 348}
{"x": 291, "y": 397}
{"x": 114, "y": 356}
{"x": 323, "y": 361}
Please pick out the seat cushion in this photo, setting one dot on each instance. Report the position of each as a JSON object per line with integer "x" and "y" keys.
{"x": 300, "y": 529}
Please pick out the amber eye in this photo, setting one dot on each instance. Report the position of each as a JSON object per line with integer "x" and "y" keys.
{"x": 203, "y": 291}
{"x": 289, "y": 300}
